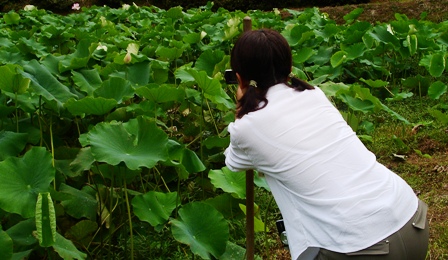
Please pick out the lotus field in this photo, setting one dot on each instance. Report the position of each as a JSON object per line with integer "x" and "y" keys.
{"x": 113, "y": 121}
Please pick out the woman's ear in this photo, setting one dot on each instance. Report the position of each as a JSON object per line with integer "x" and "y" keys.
{"x": 240, "y": 81}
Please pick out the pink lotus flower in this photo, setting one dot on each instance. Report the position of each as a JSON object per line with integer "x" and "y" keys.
{"x": 76, "y": 6}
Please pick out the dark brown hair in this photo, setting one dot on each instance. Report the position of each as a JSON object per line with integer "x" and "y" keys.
{"x": 263, "y": 56}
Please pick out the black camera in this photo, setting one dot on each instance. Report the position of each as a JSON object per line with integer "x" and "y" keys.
{"x": 282, "y": 232}
{"x": 230, "y": 77}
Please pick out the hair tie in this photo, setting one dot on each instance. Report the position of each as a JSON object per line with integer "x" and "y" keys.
{"x": 253, "y": 83}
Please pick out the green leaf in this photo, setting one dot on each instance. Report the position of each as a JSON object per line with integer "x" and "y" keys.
{"x": 45, "y": 220}
{"x": 357, "y": 104}
{"x": 66, "y": 249}
{"x": 375, "y": 83}
{"x": 303, "y": 55}
{"x": 212, "y": 88}
{"x": 353, "y": 15}
{"x": 234, "y": 252}
{"x": 138, "y": 143}
{"x": 82, "y": 231}
{"x": 174, "y": 13}
{"x": 154, "y": 207}
{"x": 258, "y": 223}
{"x": 381, "y": 34}
{"x": 115, "y": 88}
{"x": 79, "y": 203}
{"x": 87, "y": 80}
{"x": 22, "y": 232}
{"x": 83, "y": 161}
{"x": 21, "y": 179}
{"x": 437, "y": 89}
{"x": 434, "y": 63}
{"x": 6, "y": 245}
{"x": 226, "y": 204}
{"x": 11, "y": 143}
{"x": 139, "y": 73}
{"x": 11, "y": 18}
{"x": 442, "y": 117}
{"x": 412, "y": 42}
{"x": 162, "y": 93}
{"x": 78, "y": 59}
{"x": 228, "y": 181}
{"x": 207, "y": 237}
{"x": 90, "y": 106}
{"x": 208, "y": 60}
{"x": 47, "y": 85}
{"x": 437, "y": 64}
{"x": 12, "y": 80}
{"x": 338, "y": 58}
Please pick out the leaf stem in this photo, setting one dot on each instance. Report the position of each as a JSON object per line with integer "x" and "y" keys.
{"x": 129, "y": 217}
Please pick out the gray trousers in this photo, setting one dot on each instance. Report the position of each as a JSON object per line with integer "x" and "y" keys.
{"x": 408, "y": 243}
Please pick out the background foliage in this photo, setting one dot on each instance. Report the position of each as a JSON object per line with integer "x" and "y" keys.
{"x": 113, "y": 120}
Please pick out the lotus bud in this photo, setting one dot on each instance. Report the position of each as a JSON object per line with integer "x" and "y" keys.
{"x": 127, "y": 59}
{"x": 101, "y": 47}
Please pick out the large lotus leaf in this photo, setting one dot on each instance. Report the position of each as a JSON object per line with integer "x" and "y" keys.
{"x": 212, "y": 89}
{"x": 66, "y": 249}
{"x": 6, "y": 110}
{"x": 30, "y": 45}
{"x": 11, "y": 79}
{"x": 353, "y": 15}
{"x": 138, "y": 143}
{"x": 46, "y": 84}
{"x": 437, "y": 89}
{"x": 87, "y": 80}
{"x": 139, "y": 73}
{"x": 11, "y": 18}
{"x": 159, "y": 71}
{"x": 161, "y": 94}
{"x": 6, "y": 245}
{"x": 226, "y": 204}
{"x": 154, "y": 207}
{"x": 228, "y": 181}
{"x": 115, "y": 88}
{"x": 203, "y": 228}
{"x": 21, "y": 180}
{"x": 182, "y": 156}
{"x": 22, "y": 232}
{"x": 82, "y": 231}
{"x": 382, "y": 34}
{"x": 78, "y": 59}
{"x": 208, "y": 60}
{"x": 11, "y": 143}
{"x": 90, "y": 106}
{"x": 434, "y": 63}
{"x": 80, "y": 203}
{"x": 235, "y": 252}
{"x": 84, "y": 159}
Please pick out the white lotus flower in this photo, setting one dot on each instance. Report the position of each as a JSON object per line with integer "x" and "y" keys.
{"x": 29, "y": 8}
{"x": 126, "y": 7}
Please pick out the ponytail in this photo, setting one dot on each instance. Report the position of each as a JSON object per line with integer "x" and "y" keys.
{"x": 299, "y": 84}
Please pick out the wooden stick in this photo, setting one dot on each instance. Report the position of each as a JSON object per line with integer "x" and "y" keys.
{"x": 250, "y": 233}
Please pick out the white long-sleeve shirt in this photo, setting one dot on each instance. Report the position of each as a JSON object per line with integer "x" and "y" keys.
{"x": 330, "y": 189}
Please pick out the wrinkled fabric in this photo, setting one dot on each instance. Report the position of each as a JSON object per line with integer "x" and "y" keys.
{"x": 330, "y": 189}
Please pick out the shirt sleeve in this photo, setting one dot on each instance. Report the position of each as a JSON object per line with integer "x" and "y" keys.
{"x": 236, "y": 158}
